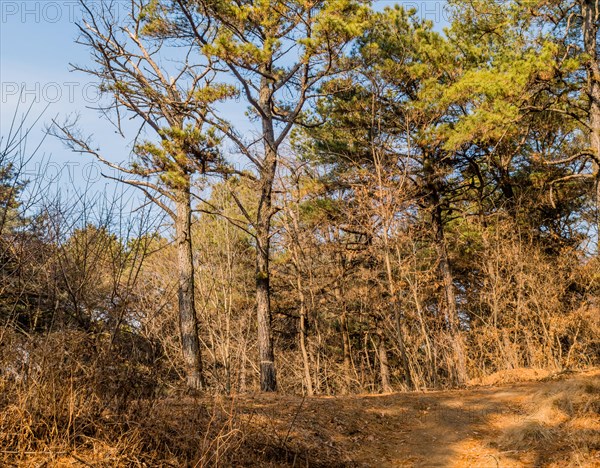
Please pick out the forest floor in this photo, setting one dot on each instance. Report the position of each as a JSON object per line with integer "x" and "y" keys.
{"x": 510, "y": 419}
{"x": 553, "y": 421}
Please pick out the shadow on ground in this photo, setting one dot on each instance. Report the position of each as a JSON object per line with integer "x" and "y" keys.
{"x": 555, "y": 422}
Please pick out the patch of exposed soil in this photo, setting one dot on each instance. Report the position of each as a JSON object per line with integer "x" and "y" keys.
{"x": 553, "y": 422}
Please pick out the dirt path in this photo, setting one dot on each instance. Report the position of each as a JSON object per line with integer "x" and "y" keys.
{"x": 548, "y": 423}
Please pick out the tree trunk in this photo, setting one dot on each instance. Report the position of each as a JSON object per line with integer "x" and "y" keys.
{"x": 303, "y": 316}
{"x": 450, "y": 313}
{"x": 302, "y": 336}
{"x": 396, "y": 315}
{"x": 394, "y": 303}
{"x": 268, "y": 379}
{"x": 590, "y": 12}
{"x": 424, "y": 332}
{"x": 345, "y": 338}
{"x": 242, "y": 374}
{"x": 384, "y": 368}
{"x": 188, "y": 321}
{"x": 346, "y": 350}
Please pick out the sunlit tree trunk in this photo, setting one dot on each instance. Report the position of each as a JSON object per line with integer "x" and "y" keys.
{"x": 188, "y": 322}
{"x": 590, "y": 11}
{"x": 268, "y": 379}
{"x": 384, "y": 368}
{"x": 302, "y": 339}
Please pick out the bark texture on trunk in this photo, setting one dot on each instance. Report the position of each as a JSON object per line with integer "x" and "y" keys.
{"x": 345, "y": 339}
{"x": 384, "y": 368}
{"x": 188, "y": 321}
{"x": 590, "y": 11}
{"x": 268, "y": 378}
{"x": 450, "y": 312}
{"x": 346, "y": 351}
{"x": 396, "y": 315}
{"x": 303, "y": 350}
{"x": 303, "y": 312}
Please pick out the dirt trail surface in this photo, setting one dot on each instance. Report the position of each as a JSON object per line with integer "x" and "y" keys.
{"x": 552, "y": 422}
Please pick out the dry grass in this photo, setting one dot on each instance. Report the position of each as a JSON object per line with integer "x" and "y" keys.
{"x": 562, "y": 418}
{"x": 511, "y": 376}
{"x": 68, "y": 398}
{"x": 73, "y": 400}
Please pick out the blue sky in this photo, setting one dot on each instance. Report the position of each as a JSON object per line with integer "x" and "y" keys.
{"x": 37, "y": 43}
